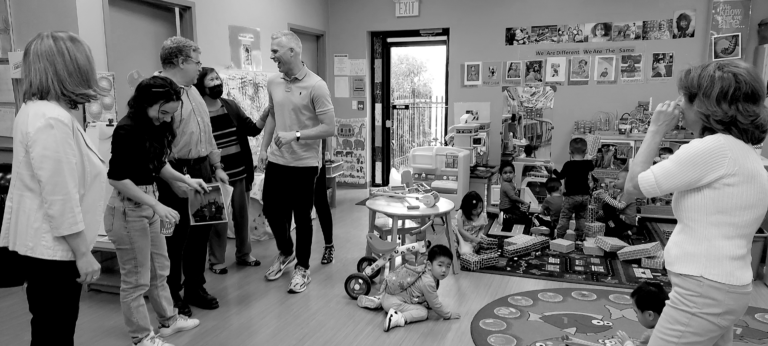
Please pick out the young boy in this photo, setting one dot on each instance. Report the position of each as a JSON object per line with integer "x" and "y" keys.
{"x": 620, "y": 218}
{"x": 408, "y": 305}
{"x": 664, "y": 153}
{"x": 576, "y": 173}
{"x": 648, "y": 300}
{"x": 509, "y": 202}
{"x": 553, "y": 205}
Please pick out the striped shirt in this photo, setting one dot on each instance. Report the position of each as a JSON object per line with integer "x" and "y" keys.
{"x": 719, "y": 202}
{"x": 225, "y": 134}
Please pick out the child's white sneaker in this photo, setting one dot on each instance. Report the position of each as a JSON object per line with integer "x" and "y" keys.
{"x": 152, "y": 340}
{"x": 369, "y": 302}
{"x": 394, "y": 319}
{"x": 182, "y": 323}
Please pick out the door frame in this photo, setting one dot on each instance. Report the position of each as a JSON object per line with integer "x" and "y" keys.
{"x": 186, "y": 19}
{"x": 380, "y": 49}
{"x": 321, "y": 41}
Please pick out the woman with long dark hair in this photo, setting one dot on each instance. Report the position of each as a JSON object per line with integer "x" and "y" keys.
{"x": 141, "y": 144}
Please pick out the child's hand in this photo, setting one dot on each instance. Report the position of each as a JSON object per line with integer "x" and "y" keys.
{"x": 657, "y": 159}
{"x": 455, "y": 316}
{"x": 623, "y": 337}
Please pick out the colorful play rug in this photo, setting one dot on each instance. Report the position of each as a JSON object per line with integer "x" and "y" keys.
{"x": 544, "y": 317}
{"x": 576, "y": 267}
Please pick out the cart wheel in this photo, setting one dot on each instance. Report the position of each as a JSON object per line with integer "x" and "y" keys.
{"x": 356, "y": 285}
{"x": 366, "y": 262}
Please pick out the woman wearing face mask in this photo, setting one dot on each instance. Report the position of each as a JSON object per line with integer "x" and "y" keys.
{"x": 231, "y": 129}
{"x": 141, "y": 144}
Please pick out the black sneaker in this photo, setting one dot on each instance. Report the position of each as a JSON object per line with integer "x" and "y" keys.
{"x": 328, "y": 255}
{"x": 183, "y": 308}
{"x": 201, "y": 299}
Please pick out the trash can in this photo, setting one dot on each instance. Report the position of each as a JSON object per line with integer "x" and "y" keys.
{"x": 758, "y": 251}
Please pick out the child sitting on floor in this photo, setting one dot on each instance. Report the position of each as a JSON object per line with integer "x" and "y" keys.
{"x": 470, "y": 222}
{"x": 514, "y": 208}
{"x": 620, "y": 218}
{"x": 406, "y": 304}
{"x": 553, "y": 204}
{"x": 648, "y": 300}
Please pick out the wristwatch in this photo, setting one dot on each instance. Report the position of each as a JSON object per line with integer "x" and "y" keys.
{"x": 298, "y": 135}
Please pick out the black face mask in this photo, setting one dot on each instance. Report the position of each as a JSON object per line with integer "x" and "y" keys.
{"x": 216, "y": 91}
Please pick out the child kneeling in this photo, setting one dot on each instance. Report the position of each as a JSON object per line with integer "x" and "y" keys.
{"x": 405, "y": 304}
{"x": 620, "y": 218}
{"x": 648, "y": 299}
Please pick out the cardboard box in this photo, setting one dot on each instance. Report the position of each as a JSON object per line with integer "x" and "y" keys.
{"x": 570, "y": 235}
{"x": 591, "y": 213}
{"x": 610, "y": 244}
{"x": 512, "y": 249}
{"x": 590, "y": 248}
{"x": 489, "y": 244}
{"x": 655, "y": 262}
{"x": 562, "y": 245}
{"x": 639, "y": 251}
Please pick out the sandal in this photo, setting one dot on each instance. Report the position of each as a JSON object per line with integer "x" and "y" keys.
{"x": 254, "y": 263}
{"x": 221, "y": 271}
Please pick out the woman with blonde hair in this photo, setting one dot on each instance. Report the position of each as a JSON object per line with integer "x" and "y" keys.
{"x": 55, "y": 204}
{"x": 719, "y": 186}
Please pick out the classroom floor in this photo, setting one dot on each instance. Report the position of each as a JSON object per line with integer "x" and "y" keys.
{"x": 256, "y": 312}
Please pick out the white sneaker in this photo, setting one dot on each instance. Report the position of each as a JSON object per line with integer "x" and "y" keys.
{"x": 369, "y": 302}
{"x": 394, "y": 319}
{"x": 153, "y": 340}
{"x": 276, "y": 270}
{"x": 299, "y": 281}
{"x": 182, "y": 323}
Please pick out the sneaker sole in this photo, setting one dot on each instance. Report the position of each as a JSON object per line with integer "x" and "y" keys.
{"x": 280, "y": 273}
{"x": 299, "y": 290}
{"x": 365, "y": 302}
{"x": 388, "y": 323}
{"x": 167, "y": 334}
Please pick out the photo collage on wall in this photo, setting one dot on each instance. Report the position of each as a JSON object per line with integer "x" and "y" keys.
{"x": 681, "y": 25}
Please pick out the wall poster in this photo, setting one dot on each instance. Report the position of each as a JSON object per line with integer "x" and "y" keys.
{"x": 729, "y": 17}
{"x": 349, "y": 146}
{"x": 249, "y": 90}
{"x": 245, "y": 48}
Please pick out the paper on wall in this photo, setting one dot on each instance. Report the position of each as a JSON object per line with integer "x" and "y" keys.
{"x": 6, "y": 88}
{"x": 341, "y": 64}
{"x": 357, "y": 67}
{"x": 341, "y": 86}
{"x": 14, "y": 61}
{"x": 7, "y": 114}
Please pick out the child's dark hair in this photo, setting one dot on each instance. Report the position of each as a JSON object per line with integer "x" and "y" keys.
{"x": 666, "y": 151}
{"x": 505, "y": 164}
{"x": 650, "y": 296}
{"x": 578, "y": 146}
{"x": 469, "y": 202}
{"x": 438, "y": 251}
{"x": 528, "y": 150}
{"x": 553, "y": 185}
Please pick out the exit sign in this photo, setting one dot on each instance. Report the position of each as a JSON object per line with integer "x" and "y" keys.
{"x": 406, "y": 8}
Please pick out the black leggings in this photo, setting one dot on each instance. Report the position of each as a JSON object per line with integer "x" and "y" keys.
{"x": 322, "y": 208}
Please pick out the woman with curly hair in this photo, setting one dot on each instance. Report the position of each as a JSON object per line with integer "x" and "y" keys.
{"x": 719, "y": 185}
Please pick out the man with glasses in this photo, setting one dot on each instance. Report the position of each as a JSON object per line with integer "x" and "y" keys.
{"x": 194, "y": 153}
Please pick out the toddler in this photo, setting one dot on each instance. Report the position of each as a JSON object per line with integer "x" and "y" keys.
{"x": 648, "y": 300}
{"x": 576, "y": 173}
{"x": 470, "y": 221}
{"x": 620, "y": 218}
{"x": 406, "y": 304}
{"x": 553, "y": 205}
{"x": 664, "y": 153}
{"x": 513, "y": 207}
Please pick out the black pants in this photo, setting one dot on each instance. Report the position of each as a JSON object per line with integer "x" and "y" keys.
{"x": 188, "y": 246}
{"x": 322, "y": 208}
{"x": 513, "y": 216}
{"x": 53, "y": 294}
{"x": 615, "y": 226}
{"x": 289, "y": 192}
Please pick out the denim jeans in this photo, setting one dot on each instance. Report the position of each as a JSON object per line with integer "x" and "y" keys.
{"x": 217, "y": 245}
{"x": 134, "y": 229}
{"x": 573, "y": 205}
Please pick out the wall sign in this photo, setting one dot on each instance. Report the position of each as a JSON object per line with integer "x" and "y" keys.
{"x": 407, "y": 8}
{"x": 585, "y": 51}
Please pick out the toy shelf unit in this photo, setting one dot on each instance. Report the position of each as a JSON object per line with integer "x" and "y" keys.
{"x": 444, "y": 169}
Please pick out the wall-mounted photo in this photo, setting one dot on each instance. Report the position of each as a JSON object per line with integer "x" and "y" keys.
{"x": 556, "y": 69}
{"x": 580, "y": 68}
{"x": 516, "y": 36}
{"x": 662, "y": 65}
{"x": 544, "y": 34}
{"x": 726, "y": 46}
{"x": 632, "y": 66}
{"x": 533, "y": 70}
{"x": 628, "y": 31}
{"x": 684, "y": 25}
{"x": 472, "y": 73}
{"x": 605, "y": 67}
{"x": 599, "y": 32}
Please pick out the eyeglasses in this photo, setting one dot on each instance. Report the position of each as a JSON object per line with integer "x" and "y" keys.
{"x": 199, "y": 64}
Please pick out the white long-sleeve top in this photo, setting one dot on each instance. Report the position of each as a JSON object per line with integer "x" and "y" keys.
{"x": 720, "y": 200}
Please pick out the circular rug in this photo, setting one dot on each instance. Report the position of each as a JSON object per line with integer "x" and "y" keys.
{"x": 543, "y": 317}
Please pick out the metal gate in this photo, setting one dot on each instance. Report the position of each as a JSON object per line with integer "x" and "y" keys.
{"x": 422, "y": 124}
